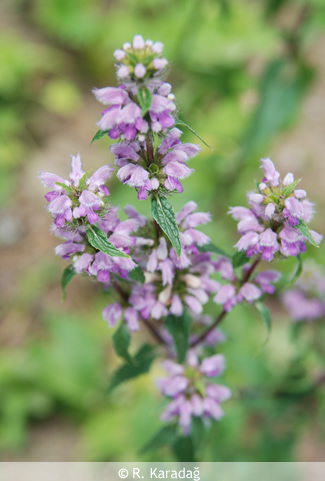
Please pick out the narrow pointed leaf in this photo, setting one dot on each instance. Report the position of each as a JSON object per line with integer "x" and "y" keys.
{"x": 180, "y": 122}
{"x": 137, "y": 275}
{"x": 213, "y": 248}
{"x": 67, "y": 276}
{"x": 290, "y": 188}
{"x": 83, "y": 180}
{"x": 98, "y": 135}
{"x": 298, "y": 271}
{"x": 98, "y": 239}
{"x": 65, "y": 187}
{"x": 141, "y": 364}
{"x": 164, "y": 437}
{"x": 305, "y": 231}
{"x": 122, "y": 340}
{"x": 239, "y": 259}
{"x": 132, "y": 57}
{"x": 163, "y": 213}
{"x": 265, "y": 315}
{"x": 179, "y": 328}
{"x": 145, "y": 99}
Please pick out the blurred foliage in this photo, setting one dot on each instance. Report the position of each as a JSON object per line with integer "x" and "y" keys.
{"x": 239, "y": 70}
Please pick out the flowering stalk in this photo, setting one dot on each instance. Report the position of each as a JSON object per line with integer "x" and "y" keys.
{"x": 164, "y": 269}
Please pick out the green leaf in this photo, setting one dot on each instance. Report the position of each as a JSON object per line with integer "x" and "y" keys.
{"x": 98, "y": 239}
{"x": 239, "y": 259}
{"x": 163, "y": 213}
{"x": 141, "y": 365}
{"x": 179, "y": 328}
{"x": 164, "y": 437}
{"x": 148, "y": 59}
{"x": 145, "y": 99}
{"x": 132, "y": 57}
{"x": 290, "y": 188}
{"x": 82, "y": 181}
{"x": 122, "y": 340}
{"x": 183, "y": 449}
{"x": 265, "y": 315}
{"x": 305, "y": 231}
{"x": 67, "y": 276}
{"x": 213, "y": 248}
{"x": 98, "y": 135}
{"x": 137, "y": 275}
{"x": 180, "y": 122}
{"x": 65, "y": 187}
{"x": 297, "y": 272}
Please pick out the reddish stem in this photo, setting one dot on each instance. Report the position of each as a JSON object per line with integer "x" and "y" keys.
{"x": 221, "y": 316}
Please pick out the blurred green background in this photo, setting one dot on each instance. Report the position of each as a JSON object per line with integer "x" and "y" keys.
{"x": 249, "y": 76}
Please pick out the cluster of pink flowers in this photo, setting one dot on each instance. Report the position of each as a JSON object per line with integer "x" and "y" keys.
{"x": 166, "y": 268}
{"x": 79, "y": 198}
{"x": 174, "y": 284}
{"x": 144, "y": 163}
{"x": 192, "y": 391}
{"x": 236, "y": 290}
{"x": 87, "y": 260}
{"x": 168, "y": 166}
{"x": 271, "y": 225}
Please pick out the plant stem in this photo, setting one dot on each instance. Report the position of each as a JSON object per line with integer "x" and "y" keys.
{"x": 209, "y": 329}
{"x": 223, "y": 313}
{"x": 123, "y": 295}
{"x": 155, "y": 333}
{"x": 250, "y": 271}
{"x": 150, "y": 151}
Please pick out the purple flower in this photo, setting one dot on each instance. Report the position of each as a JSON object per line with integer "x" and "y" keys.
{"x": 270, "y": 226}
{"x": 112, "y": 313}
{"x": 301, "y": 307}
{"x": 305, "y": 301}
{"x": 271, "y": 175}
{"x": 213, "y": 366}
{"x": 268, "y": 244}
{"x": 266, "y": 279}
{"x": 191, "y": 390}
{"x": 249, "y": 292}
{"x": 75, "y": 201}
{"x": 168, "y": 168}
{"x": 226, "y": 297}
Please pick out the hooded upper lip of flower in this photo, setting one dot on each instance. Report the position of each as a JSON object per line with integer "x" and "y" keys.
{"x": 83, "y": 201}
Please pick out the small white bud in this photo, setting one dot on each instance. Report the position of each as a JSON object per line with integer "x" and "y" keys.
{"x": 257, "y": 198}
{"x": 192, "y": 281}
{"x": 289, "y": 178}
{"x": 158, "y": 47}
{"x": 159, "y": 63}
{"x": 164, "y": 296}
{"x": 119, "y": 55}
{"x": 123, "y": 72}
{"x": 140, "y": 70}
{"x": 300, "y": 194}
{"x": 138, "y": 42}
{"x": 149, "y": 277}
{"x": 269, "y": 210}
